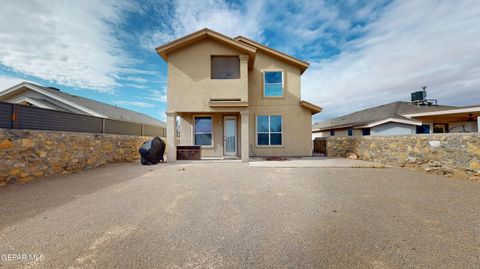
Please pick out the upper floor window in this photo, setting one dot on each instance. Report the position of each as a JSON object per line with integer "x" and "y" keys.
{"x": 350, "y": 131}
{"x": 332, "y": 132}
{"x": 273, "y": 83}
{"x": 225, "y": 67}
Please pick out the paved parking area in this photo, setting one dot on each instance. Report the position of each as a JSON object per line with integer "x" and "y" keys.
{"x": 232, "y": 215}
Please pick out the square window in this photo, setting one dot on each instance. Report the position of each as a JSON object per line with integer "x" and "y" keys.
{"x": 423, "y": 129}
{"x": 275, "y": 139}
{"x": 263, "y": 139}
{"x": 225, "y": 67}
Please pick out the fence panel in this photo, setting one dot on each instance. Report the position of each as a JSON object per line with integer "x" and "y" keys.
{"x": 122, "y": 128}
{"x": 6, "y": 115}
{"x": 34, "y": 118}
{"x": 150, "y": 130}
{"x": 45, "y": 119}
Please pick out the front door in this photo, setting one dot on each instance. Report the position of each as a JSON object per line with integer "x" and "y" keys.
{"x": 230, "y": 136}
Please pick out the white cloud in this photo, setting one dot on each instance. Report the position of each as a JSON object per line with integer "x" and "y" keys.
{"x": 190, "y": 15}
{"x": 162, "y": 116}
{"x": 134, "y": 103}
{"x": 7, "y": 82}
{"x": 413, "y": 43}
{"x": 71, "y": 43}
{"x": 157, "y": 95}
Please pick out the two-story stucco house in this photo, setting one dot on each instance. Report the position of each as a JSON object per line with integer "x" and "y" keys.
{"x": 235, "y": 97}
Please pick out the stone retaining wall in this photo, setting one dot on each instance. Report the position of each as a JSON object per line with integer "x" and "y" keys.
{"x": 26, "y": 154}
{"x": 449, "y": 154}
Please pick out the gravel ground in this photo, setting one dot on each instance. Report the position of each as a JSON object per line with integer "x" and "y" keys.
{"x": 216, "y": 215}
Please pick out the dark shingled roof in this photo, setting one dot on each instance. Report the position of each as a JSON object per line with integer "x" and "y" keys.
{"x": 111, "y": 112}
{"x": 378, "y": 113}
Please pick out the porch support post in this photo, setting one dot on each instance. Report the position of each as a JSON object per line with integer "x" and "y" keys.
{"x": 478, "y": 124}
{"x": 171, "y": 136}
{"x": 245, "y": 152}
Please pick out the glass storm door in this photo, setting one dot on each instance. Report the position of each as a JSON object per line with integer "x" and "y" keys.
{"x": 230, "y": 136}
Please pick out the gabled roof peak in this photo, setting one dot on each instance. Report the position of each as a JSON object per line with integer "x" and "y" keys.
{"x": 202, "y": 34}
{"x": 241, "y": 43}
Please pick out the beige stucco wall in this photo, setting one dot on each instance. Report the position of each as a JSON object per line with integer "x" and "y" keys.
{"x": 190, "y": 86}
{"x": 296, "y": 120}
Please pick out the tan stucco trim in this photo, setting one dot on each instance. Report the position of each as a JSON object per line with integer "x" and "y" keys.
{"x": 177, "y": 44}
{"x": 314, "y": 108}
{"x": 228, "y": 103}
{"x": 275, "y": 53}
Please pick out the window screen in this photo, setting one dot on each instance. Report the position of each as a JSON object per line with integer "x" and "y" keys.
{"x": 225, "y": 67}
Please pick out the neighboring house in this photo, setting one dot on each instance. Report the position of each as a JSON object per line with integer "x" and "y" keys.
{"x": 235, "y": 97}
{"x": 401, "y": 118}
{"x": 35, "y": 95}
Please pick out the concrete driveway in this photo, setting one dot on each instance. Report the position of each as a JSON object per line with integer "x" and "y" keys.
{"x": 216, "y": 215}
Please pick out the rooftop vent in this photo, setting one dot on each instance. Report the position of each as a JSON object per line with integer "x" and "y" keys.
{"x": 419, "y": 98}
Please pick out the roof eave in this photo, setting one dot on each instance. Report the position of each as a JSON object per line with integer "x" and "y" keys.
{"x": 302, "y": 65}
{"x": 443, "y": 112}
{"x": 312, "y": 107}
{"x": 380, "y": 122}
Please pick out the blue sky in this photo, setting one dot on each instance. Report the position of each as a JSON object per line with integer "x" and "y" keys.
{"x": 362, "y": 53}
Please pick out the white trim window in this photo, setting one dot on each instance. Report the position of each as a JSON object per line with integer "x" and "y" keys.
{"x": 202, "y": 132}
{"x": 269, "y": 130}
{"x": 273, "y": 83}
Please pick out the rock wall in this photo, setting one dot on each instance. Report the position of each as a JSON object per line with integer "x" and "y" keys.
{"x": 26, "y": 154}
{"x": 449, "y": 154}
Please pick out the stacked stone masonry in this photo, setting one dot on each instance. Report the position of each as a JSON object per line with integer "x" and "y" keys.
{"x": 25, "y": 154}
{"x": 449, "y": 154}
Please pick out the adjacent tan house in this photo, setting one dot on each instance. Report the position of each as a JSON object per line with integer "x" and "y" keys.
{"x": 402, "y": 118}
{"x": 235, "y": 98}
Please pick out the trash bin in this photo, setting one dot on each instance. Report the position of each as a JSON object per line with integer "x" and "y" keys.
{"x": 151, "y": 152}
